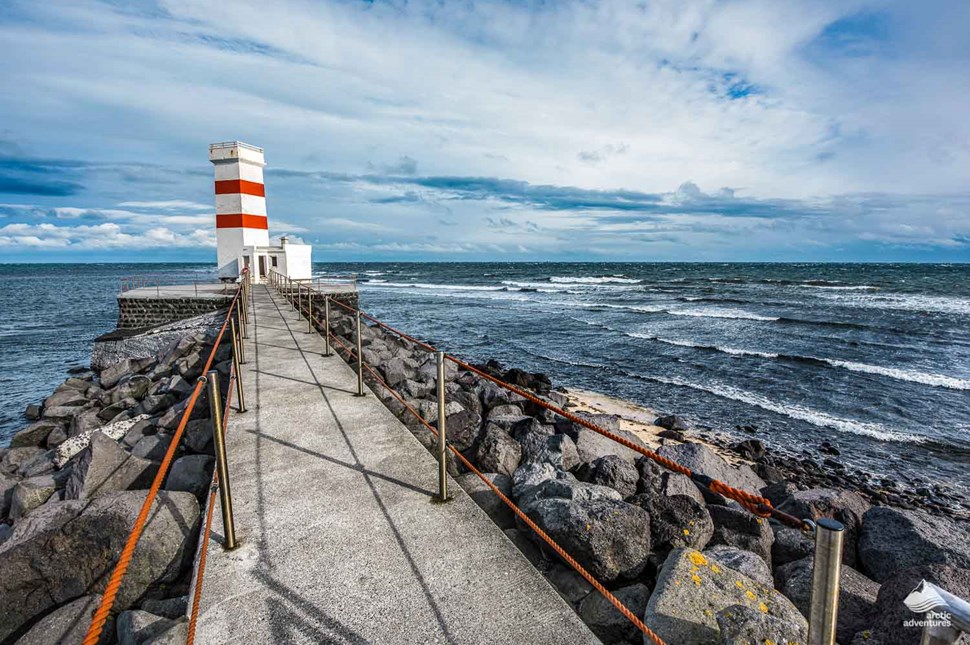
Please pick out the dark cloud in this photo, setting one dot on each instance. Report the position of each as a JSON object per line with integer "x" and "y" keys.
{"x": 42, "y": 177}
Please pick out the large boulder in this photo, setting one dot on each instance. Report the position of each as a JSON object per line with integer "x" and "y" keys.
{"x": 606, "y": 621}
{"x": 844, "y": 506}
{"x": 893, "y": 539}
{"x": 558, "y": 450}
{"x": 857, "y": 595}
{"x": 701, "y": 459}
{"x": 676, "y": 522}
{"x": 791, "y": 544}
{"x": 191, "y": 474}
{"x": 890, "y": 624}
{"x": 34, "y": 435}
{"x": 486, "y": 498}
{"x": 110, "y": 376}
{"x": 591, "y": 445}
{"x": 68, "y": 624}
{"x": 741, "y": 625}
{"x": 739, "y": 528}
{"x": 655, "y": 479}
{"x": 528, "y": 476}
{"x": 29, "y": 494}
{"x": 115, "y": 430}
{"x": 691, "y": 589}
{"x": 616, "y": 472}
{"x": 65, "y": 396}
{"x": 105, "y": 467}
{"x": 497, "y": 451}
{"x": 15, "y": 458}
{"x": 745, "y": 562}
{"x": 133, "y": 387}
{"x": 609, "y": 537}
{"x": 68, "y": 549}
{"x": 463, "y": 426}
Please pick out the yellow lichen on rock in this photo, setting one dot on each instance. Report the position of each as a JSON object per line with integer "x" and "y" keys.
{"x": 697, "y": 558}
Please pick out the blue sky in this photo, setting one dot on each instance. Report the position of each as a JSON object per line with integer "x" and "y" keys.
{"x": 643, "y": 131}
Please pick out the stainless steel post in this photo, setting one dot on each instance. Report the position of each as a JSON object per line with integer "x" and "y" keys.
{"x": 326, "y": 325}
{"x": 240, "y": 399}
{"x": 442, "y": 431}
{"x": 309, "y": 310}
{"x": 360, "y": 359}
{"x": 222, "y": 462}
{"x": 824, "y": 610}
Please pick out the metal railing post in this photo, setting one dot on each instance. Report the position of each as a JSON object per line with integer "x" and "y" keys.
{"x": 222, "y": 463}
{"x": 360, "y": 359}
{"x": 442, "y": 431}
{"x": 824, "y": 610}
{"x": 241, "y": 403}
{"x": 326, "y": 326}
{"x": 309, "y": 311}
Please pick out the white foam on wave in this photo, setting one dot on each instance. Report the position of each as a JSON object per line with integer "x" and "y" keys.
{"x": 686, "y": 343}
{"x": 608, "y": 279}
{"x": 855, "y": 287}
{"x": 801, "y": 413}
{"x": 733, "y": 314}
{"x": 444, "y": 287}
{"x": 937, "y": 380}
{"x": 903, "y": 302}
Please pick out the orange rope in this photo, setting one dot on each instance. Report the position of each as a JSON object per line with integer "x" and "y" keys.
{"x": 114, "y": 584}
{"x": 519, "y": 512}
{"x": 117, "y": 575}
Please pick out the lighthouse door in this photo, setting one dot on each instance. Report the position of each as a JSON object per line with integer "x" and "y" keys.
{"x": 262, "y": 265}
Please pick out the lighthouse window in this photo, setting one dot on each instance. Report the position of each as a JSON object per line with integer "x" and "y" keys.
{"x": 274, "y": 260}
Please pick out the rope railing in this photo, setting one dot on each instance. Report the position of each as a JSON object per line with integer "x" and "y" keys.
{"x": 101, "y": 614}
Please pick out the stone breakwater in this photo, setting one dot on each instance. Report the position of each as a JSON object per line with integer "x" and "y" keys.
{"x": 73, "y": 481}
{"x": 696, "y": 567}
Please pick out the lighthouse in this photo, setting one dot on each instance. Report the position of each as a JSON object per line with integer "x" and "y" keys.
{"x": 242, "y": 225}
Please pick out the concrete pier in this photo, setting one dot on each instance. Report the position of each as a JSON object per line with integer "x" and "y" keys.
{"x": 341, "y": 539}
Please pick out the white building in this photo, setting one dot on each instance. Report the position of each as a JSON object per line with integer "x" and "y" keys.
{"x": 242, "y": 228}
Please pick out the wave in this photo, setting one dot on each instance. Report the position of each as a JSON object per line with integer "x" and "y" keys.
{"x": 735, "y": 314}
{"x": 920, "y": 303}
{"x": 606, "y": 279}
{"x": 692, "y": 345}
{"x": 856, "y": 287}
{"x": 447, "y": 287}
{"x": 798, "y": 412}
{"x": 913, "y": 376}
{"x": 926, "y": 378}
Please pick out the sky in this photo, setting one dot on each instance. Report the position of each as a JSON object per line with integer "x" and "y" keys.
{"x": 681, "y": 130}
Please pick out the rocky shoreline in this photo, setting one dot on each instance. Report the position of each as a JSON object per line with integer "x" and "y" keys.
{"x": 73, "y": 481}
{"x": 695, "y": 566}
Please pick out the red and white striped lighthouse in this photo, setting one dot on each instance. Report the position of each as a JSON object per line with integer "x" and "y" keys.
{"x": 241, "y": 223}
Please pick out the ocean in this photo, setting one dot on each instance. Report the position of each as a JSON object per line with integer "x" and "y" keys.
{"x": 873, "y": 358}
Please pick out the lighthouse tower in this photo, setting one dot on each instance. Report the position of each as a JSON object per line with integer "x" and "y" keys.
{"x": 242, "y": 228}
{"x": 240, "y": 204}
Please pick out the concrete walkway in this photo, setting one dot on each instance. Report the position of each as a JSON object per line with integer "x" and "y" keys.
{"x": 341, "y": 542}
